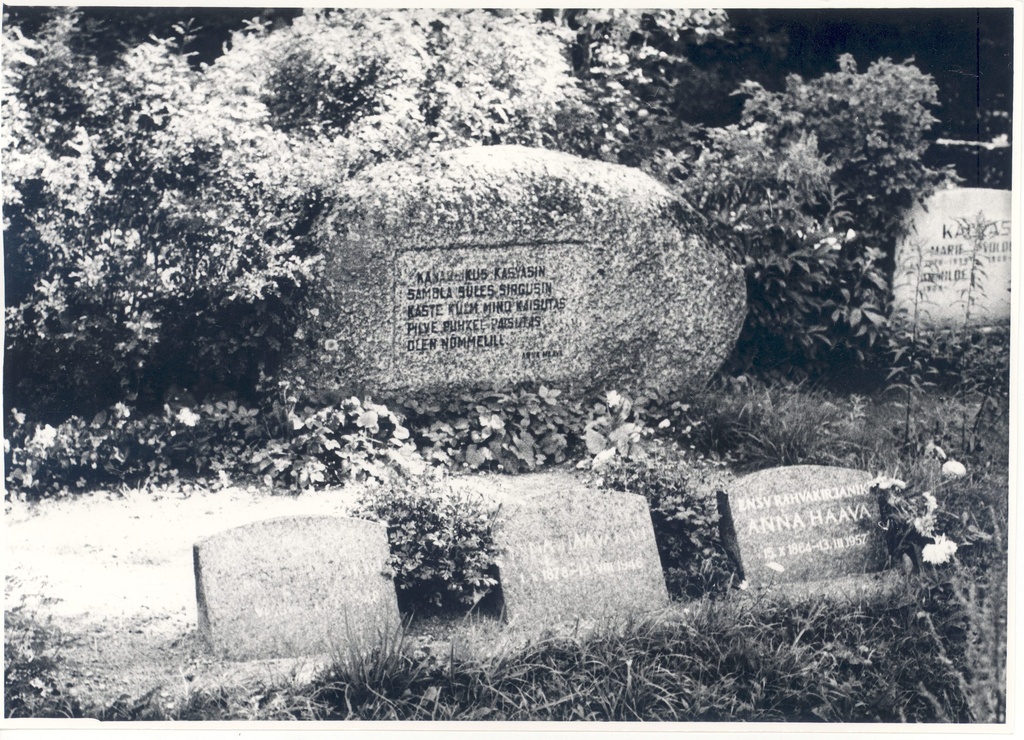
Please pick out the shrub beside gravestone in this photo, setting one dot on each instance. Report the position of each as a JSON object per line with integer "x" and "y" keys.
{"x": 806, "y": 523}
{"x": 953, "y": 266}
{"x": 506, "y": 264}
{"x": 569, "y": 553}
{"x": 295, "y": 586}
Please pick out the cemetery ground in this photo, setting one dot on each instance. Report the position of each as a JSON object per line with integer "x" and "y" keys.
{"x": 100, "y": 616}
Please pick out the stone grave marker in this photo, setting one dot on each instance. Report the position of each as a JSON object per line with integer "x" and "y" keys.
{"x": 506, "y": 264}
{"x": 962, "y": 234}
{"x": 572, "y": 553}
{"x": 806, "y": 523}
{"x": 294, "y": 586}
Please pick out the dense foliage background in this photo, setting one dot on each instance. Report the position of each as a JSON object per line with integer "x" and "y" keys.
{"x": 163, "y": 169}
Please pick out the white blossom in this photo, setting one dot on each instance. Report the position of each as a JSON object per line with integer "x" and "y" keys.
{"x": 953, "y": 469}
{"x": 930, "y": 501}
{"x": 44, "y": 436}
{"x": 941, "y": 552}
{"x": 187, "y": 417}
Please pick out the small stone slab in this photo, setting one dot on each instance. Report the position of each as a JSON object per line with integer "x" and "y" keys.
{"x": 958, "y": 235}
{"x": 570, "y": 553}
{"x": 506, "y": 264}
{"x": 806, "y": 523}
{"x": 295, "y": 586}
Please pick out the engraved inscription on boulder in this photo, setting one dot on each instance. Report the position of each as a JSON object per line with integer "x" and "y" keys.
{"x": 507, "y": 264}
{"x": 806, "y": 523}
{"x": 954, "y": 265}
{"x": 469, "y": 303}
{"x": 294, "y": 586}
{"x": 571, "y": 553}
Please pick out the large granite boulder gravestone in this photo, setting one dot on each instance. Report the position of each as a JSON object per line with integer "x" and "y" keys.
{"x": 806, "y": 523}
{"x": 295, "y": 586}
{"x": 953, "y": 266}
{"x": 504, "y": 264}
{"x": 570, "y": 554}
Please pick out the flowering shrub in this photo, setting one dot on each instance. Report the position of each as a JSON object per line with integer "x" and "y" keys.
{"x": 442, "y": 550}
{"x": 909, "y": 523}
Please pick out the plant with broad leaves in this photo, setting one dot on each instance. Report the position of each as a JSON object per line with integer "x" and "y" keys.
{"x": 443, "y": 554}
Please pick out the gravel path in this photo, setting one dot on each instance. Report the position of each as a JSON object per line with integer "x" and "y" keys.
{"x": 114, "y": 575}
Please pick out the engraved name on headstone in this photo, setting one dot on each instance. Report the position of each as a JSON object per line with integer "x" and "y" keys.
{"x": 806, "y": 523}
{"x": 953, "y": 267}
{"x": 572, "y": 553}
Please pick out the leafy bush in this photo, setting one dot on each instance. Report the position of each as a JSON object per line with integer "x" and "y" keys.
{"x": 33, "y": 684}
{"x": 222, "y": 441}
{"x": 151, "y": 226}
{"x": 442, "y": 549}
{"x": 633, "y": 68}
{"x": 117, "y": 447}
{"x": 316, "y": 447}
{"x": 680, "y": 493}
{"x": 870, "y": 126}
{"x": 513, "y": 428}
{"x": 824, "y": 158}
{"x": 157, "y": 216}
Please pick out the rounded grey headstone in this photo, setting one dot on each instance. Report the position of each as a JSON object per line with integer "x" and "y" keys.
{"x": 806, "y": 523}
{"x": 295, "y": 586}
{"x": 505, "y": 264}
{"x": 570, "y": 553}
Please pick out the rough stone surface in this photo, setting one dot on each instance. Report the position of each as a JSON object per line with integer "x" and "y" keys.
{"x": 504, "y": 264}
{"x": 572, "y": 553}
{"x": 935, "y": 260}
{"x": 806, "y": 523}
{"x": 294, "y": 586}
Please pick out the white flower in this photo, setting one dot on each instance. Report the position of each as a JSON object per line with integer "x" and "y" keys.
{"x": 885, "y": 482}
{"x": 44, "y": 436}
{"x": 941, "y": 552}
{"x": 930, "y": 501}
{"x": 122, "y": 411}
{"x": 665, "y": 424}
{"x": 933, "y": 450}
{"x": 331, "y": 345}
{"x": 613, "y": 398}
{"x": 187, "y": 417}
{"x": 775, "y": 566}
{"x": 953, "y": 469}
{"x": 850, "y": 234}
